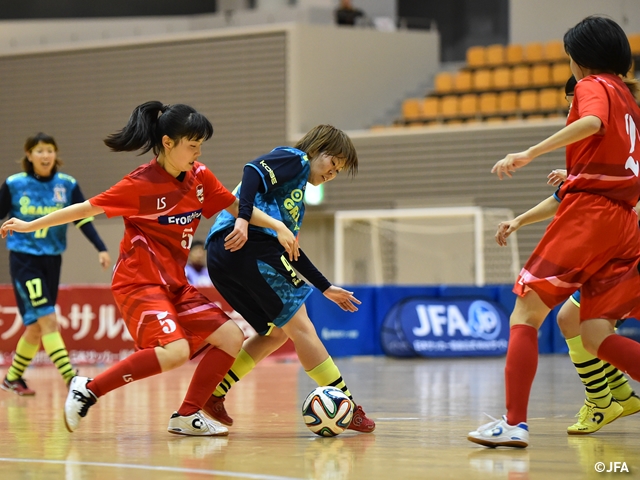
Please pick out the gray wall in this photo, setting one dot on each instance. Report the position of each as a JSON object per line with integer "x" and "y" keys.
{"x": 543, "y": 20}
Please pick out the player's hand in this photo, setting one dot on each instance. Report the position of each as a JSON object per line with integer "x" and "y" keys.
{"x": 343, "y": 298}
{"x": 288, "y": 240}
{"x": 14, "y": 225}
{"x": 504, "y": 230}
{"x": 557, "y": 176}
{"x": 238, "y": 236}
{"x": 104, "y": 259}
{"x": 511, "y": 163}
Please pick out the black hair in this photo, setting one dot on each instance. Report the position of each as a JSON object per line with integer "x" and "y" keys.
{"x": 570, "y": 86}
{"x": 150, "y": 121}
{"x": 31, "y": 143}
{"x": 598, "y": 43}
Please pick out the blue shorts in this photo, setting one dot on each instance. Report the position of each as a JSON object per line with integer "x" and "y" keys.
{"x": 35, "y": 281}
{"x": 257, "y": 280}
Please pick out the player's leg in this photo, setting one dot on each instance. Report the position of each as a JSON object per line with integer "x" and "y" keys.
{"x": 226, "y": 341}
{"x": 599, "y": 338}
{"x": 520, "y": 370}
{"x": 319, "y": 365}
{"x": 599, "y": 408}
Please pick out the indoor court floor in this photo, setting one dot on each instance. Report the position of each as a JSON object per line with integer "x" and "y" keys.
{"x": 423, "y": 409}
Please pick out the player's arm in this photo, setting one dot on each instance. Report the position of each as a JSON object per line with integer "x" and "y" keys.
{"x": 574, "y": 132}
{"x": 542, "y": 211}
{"x": 68, "y": 214}
{"x": 341, "y": 297}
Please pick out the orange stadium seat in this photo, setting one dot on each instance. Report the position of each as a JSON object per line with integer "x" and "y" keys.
{"x": 482, "y": 79}
{"x": 562, "y": 98}
{"x": 488, "y": 103}
{"x": 494, "y": 55}
{"x": 468, "y": 104}
{"x": 430, "y": 108}
{"x": 476, "y": 56}
{"x": 411, "y": 109}
{"x": 528, "y": 101}
{"x": 514, "y": 53}
{"x": 450, "y": 106}
{"x": 462, "y": 81}
{"x": 634, "y": 41}
{"x": 521, "y": 76}
{"x": 507, "y": 102}
{"x": 540, "y": 75}
{"x": 533, "y": 52}
{"x": 560, "y": 73}
{"x": 444, "y": 82}
{"x": 548, "y": 99}
{"x": 554, "y": 51}
{"x": 501, "y": 78}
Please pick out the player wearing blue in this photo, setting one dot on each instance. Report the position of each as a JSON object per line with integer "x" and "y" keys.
{"x": 261, "y": 283}
{"x": 35, "y": 258}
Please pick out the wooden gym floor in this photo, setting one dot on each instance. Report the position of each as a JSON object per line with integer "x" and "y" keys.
{"x": 423, "y": 409}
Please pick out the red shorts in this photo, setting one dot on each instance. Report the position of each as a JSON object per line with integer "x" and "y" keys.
{"x": 592, "y": 243}
{"x": 156, "y": 316}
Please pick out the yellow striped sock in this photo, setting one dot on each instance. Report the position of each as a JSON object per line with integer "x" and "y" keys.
{"x": 55, "y": 348}
{"x": 591, "y": 372}
{"x": 25, "y": 352}
{"x": 327, "y": 373}
{"x": 618, "y": 382}
{"x": 243, "y": 365}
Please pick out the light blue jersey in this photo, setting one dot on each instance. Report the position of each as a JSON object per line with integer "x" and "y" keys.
{"x": 32, "y": 199}
{"x": 284, "y": 183}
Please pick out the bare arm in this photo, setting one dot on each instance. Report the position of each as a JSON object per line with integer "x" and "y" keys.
{"x": 68, "y": 214}
{"x": 238, "y": 237}
{"x": 578, "y": 130}
{"x": 545, "y": 209}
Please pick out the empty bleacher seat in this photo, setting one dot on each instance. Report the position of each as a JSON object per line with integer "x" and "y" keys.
{"x": 554, "y": 51}
{"x": 476, "y": 56}
{"x": 560, "y": 73}
{"x": 411, "y": 109}
{"x": 444, "y": 82}
{"x": 488, "y": 103}
{"x": 449, "y": 106}
{"x": 482, "y": 79}
{"x": 533, "y": 52}
{"x": 430, "y": 108}
{"x": 501, "y": 78}
{"x": 507, "y": 102}
{"x": 514, "y": 53}
{"x": 494, "y": 55}
{"x": 528, "y": 101}
{"x": 521, "y": 76}
{"x": 634, "y": 42}
{"x": 468, "y": 105}
{"x": 540, "y": 75}
{"x": 548, "y": 99}
{"x": 462, "y": 81}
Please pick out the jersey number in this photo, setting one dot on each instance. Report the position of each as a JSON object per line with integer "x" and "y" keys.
{"x": 188, "y": 238}
{"x": 632, "y": 131}
{"x": 35, "y": 288}
{"x": 41, "y": 233}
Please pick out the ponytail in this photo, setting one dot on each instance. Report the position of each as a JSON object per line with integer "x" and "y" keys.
{"x": 150, "y": 121}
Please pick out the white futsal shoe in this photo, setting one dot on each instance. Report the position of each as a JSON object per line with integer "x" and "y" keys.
{"x": 499, "y": 433}
{"x": 197, "y": 425}
{"x": 79, "y": 399}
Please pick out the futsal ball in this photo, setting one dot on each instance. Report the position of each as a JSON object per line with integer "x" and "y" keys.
{"x": 327, "y": 411}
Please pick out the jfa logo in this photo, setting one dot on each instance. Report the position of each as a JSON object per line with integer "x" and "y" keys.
{"x": 483, "y": 320}
{"x": 613, "y": 467}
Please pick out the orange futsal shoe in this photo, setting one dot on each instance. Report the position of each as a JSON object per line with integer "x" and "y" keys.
{"x": 215, "y": 409}
{"x": 360, "y": 422}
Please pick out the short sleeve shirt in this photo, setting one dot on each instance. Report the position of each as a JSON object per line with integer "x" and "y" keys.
{"x": 161, "y": 215}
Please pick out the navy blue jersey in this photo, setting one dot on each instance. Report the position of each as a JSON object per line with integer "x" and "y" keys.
{"x": 284, "y": 173}
{"x": 30, "y": 198}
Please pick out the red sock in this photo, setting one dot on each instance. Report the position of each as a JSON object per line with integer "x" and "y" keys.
{"x": 623, "y": 353}
{"x": 520, "y": 370}
{"x": 209, "y": 372}
{"x": 139, "y": 365}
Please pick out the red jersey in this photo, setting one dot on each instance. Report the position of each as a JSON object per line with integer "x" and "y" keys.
{"x": 161, "y": 215}
{"x": 605, "y": 163}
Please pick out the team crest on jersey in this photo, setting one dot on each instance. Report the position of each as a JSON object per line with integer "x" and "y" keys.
{"x": 59, "y": 194}
{"x": 200, "y": 193}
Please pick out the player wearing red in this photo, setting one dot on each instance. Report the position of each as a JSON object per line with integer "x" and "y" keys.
{"x": 162, "y": 203}
{"x": 593, "y": 242}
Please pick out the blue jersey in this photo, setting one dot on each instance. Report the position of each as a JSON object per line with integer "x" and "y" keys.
{"x": 284, "y": 172}
{"x": 31, "y": 199}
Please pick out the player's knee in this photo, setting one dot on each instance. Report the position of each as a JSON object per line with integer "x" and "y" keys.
{"x": 175, "y": 355}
